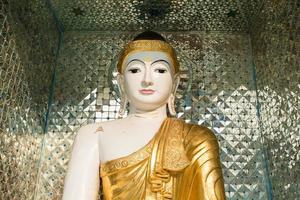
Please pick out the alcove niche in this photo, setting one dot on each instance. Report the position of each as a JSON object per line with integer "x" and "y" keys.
{"x": 241, "y": 79}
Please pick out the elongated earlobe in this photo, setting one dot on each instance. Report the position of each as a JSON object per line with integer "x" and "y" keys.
{"x": 171, "y": 105}
{"x": 123, "y": 106}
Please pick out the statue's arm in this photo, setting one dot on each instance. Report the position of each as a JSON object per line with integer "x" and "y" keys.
{"x": 82, "y": 179}
{"x": 207, "y": 180}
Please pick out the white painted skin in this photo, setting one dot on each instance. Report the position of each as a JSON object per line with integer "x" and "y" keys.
{"x": 145, "y": 72}
{"x": 119, "y": 138}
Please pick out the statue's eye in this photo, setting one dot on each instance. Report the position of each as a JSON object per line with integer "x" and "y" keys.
{"x": 161, "y": 71}
{"x": 135, "y": 70}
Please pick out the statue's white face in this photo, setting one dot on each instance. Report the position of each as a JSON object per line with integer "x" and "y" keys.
{"x": 148, "y": 79}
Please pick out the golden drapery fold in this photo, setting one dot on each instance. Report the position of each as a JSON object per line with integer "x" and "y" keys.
{"x": 181, "y": 162}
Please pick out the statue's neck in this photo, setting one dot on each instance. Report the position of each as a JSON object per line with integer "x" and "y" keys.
{"x": 160, "y": 112}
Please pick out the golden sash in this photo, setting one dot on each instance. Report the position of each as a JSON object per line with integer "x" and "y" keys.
{"x": 181, "y": 162}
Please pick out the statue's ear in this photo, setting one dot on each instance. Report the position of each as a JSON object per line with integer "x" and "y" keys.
{"x": 121, "y": 84}
{"x": 171, "y": 99}
{"x": 176, "y": 81}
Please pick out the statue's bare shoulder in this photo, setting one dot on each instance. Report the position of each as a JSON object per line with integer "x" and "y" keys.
{"x": 98, "y": 131}
{"x": 86, "y": 136}
{"x": 105, "y": 127}
{"x": 96, "y": 127}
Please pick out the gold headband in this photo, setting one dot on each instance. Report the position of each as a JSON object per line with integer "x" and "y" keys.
{"x": 148, "y": 45}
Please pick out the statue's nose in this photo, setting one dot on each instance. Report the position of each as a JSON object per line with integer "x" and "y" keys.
{"x": 146, "y": 83}
{"x": 147, "y": 78}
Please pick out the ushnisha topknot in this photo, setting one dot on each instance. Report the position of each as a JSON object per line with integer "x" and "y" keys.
{"x": 148, "y": 41}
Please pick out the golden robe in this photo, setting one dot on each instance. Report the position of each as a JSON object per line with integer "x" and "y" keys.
{"x": 181, "y": 162}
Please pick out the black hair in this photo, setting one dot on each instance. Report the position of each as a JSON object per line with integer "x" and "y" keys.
{"x": 149, "y": 35}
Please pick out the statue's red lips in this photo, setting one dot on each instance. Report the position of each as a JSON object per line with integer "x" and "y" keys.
{"x": 147, "y": 91}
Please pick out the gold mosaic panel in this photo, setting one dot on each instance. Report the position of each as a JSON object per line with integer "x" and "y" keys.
{"x": 276, "y": 44}
{"x": 23, "y": 97}
{"x": 167, "y": 15}
{"x": 36, "y": 38}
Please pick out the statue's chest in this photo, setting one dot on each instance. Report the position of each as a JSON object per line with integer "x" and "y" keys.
{"x": 122, "y": 142}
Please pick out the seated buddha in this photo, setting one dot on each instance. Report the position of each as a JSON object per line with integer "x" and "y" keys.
{"x": 149, "y": 154}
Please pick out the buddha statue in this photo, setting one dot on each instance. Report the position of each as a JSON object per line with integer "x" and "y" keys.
{"x": 150, "y": 154}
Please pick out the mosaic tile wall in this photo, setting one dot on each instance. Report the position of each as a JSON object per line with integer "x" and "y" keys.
{"x": 219, "y": 93}
{"x": 26, "y": 60}
{"x": 164, "y": 15}
{"x": 245, "y": 87}
{"x": 276, "y": 47}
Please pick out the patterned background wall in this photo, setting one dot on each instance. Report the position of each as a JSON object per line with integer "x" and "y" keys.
{"x": 26, "y": 60}
{"x": 231, "y": 51}
{"x": 166, "y": 15}
{"x": 276, "y": 47}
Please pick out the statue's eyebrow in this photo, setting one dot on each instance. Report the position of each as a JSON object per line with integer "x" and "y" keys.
{"x": 135, "y": 60}
{"x": 161, "y": 60}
